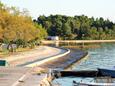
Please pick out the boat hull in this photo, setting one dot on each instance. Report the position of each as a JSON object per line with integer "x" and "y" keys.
{"x": 107, "y": 72}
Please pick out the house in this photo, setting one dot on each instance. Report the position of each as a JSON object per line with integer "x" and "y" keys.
{"x": 53, "y": 38}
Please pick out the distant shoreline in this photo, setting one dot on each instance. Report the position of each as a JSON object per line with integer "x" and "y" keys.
{"x": 76, "y": 41}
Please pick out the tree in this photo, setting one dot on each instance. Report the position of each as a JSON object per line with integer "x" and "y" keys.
{"x": 93, "y": 34}
{"x": 75, "y": 27}
{"x": 1, "y": 34}
{"x": 66, "y": 31}
{"x": 43, "y": 33}
{"x": 18, "y": 28}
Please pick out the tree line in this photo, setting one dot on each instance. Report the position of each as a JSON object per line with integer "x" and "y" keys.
{"x": 77, "y": 27}
{"x": 17, "y": 27}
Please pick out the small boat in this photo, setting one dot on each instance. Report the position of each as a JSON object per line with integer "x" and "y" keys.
{"x": 105, "y": 79}
{"x": 101, "y": 72}
{"x": 106, "y": 72}
{"x": 92, "y": 84}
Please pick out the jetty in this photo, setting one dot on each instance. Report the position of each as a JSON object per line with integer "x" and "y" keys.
{"x": 66, "y": 61}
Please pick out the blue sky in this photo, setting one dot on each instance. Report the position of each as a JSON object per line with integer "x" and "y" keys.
{"x": 96, "y": 8}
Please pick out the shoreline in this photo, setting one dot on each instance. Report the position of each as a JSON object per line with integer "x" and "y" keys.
{"x": 76, "y": 41}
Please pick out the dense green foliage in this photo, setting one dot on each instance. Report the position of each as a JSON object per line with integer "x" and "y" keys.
{"x": 77, "y": 27}
{"x": 18, "y": 28}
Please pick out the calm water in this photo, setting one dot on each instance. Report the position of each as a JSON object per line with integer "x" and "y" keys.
{"x": 103, "y": 57}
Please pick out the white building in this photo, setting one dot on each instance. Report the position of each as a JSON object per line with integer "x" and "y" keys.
{"x": 53, "y": 38}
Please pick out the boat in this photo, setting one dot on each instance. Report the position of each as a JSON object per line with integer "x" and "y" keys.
{"x": 92, "y": 84}
{"x": 102, "y": 77}
{"x": 106, "y": 72}
{"x": 100, "y": 72}
{"x": 105, "y": 77}
{"x": 98, "y": 81}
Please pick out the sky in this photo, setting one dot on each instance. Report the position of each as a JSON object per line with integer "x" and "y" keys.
{"x": 95, "y": 8}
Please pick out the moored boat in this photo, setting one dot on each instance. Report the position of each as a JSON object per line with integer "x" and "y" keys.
{"x": 106, "y": 72}
{"x": 92, "y": 84}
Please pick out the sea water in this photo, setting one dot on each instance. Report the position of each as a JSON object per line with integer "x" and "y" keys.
{"x": 103, "y": 57}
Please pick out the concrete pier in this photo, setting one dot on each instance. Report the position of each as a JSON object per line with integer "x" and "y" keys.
{"x": 21, "y": 76}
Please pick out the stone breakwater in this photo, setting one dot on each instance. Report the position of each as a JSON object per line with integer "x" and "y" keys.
{"x": 63, "y": 61}
{"x": 66, "y": 61}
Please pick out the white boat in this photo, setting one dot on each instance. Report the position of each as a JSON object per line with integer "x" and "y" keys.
{"x": 92, "y": 84}
{"x": 98, "y": 81}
